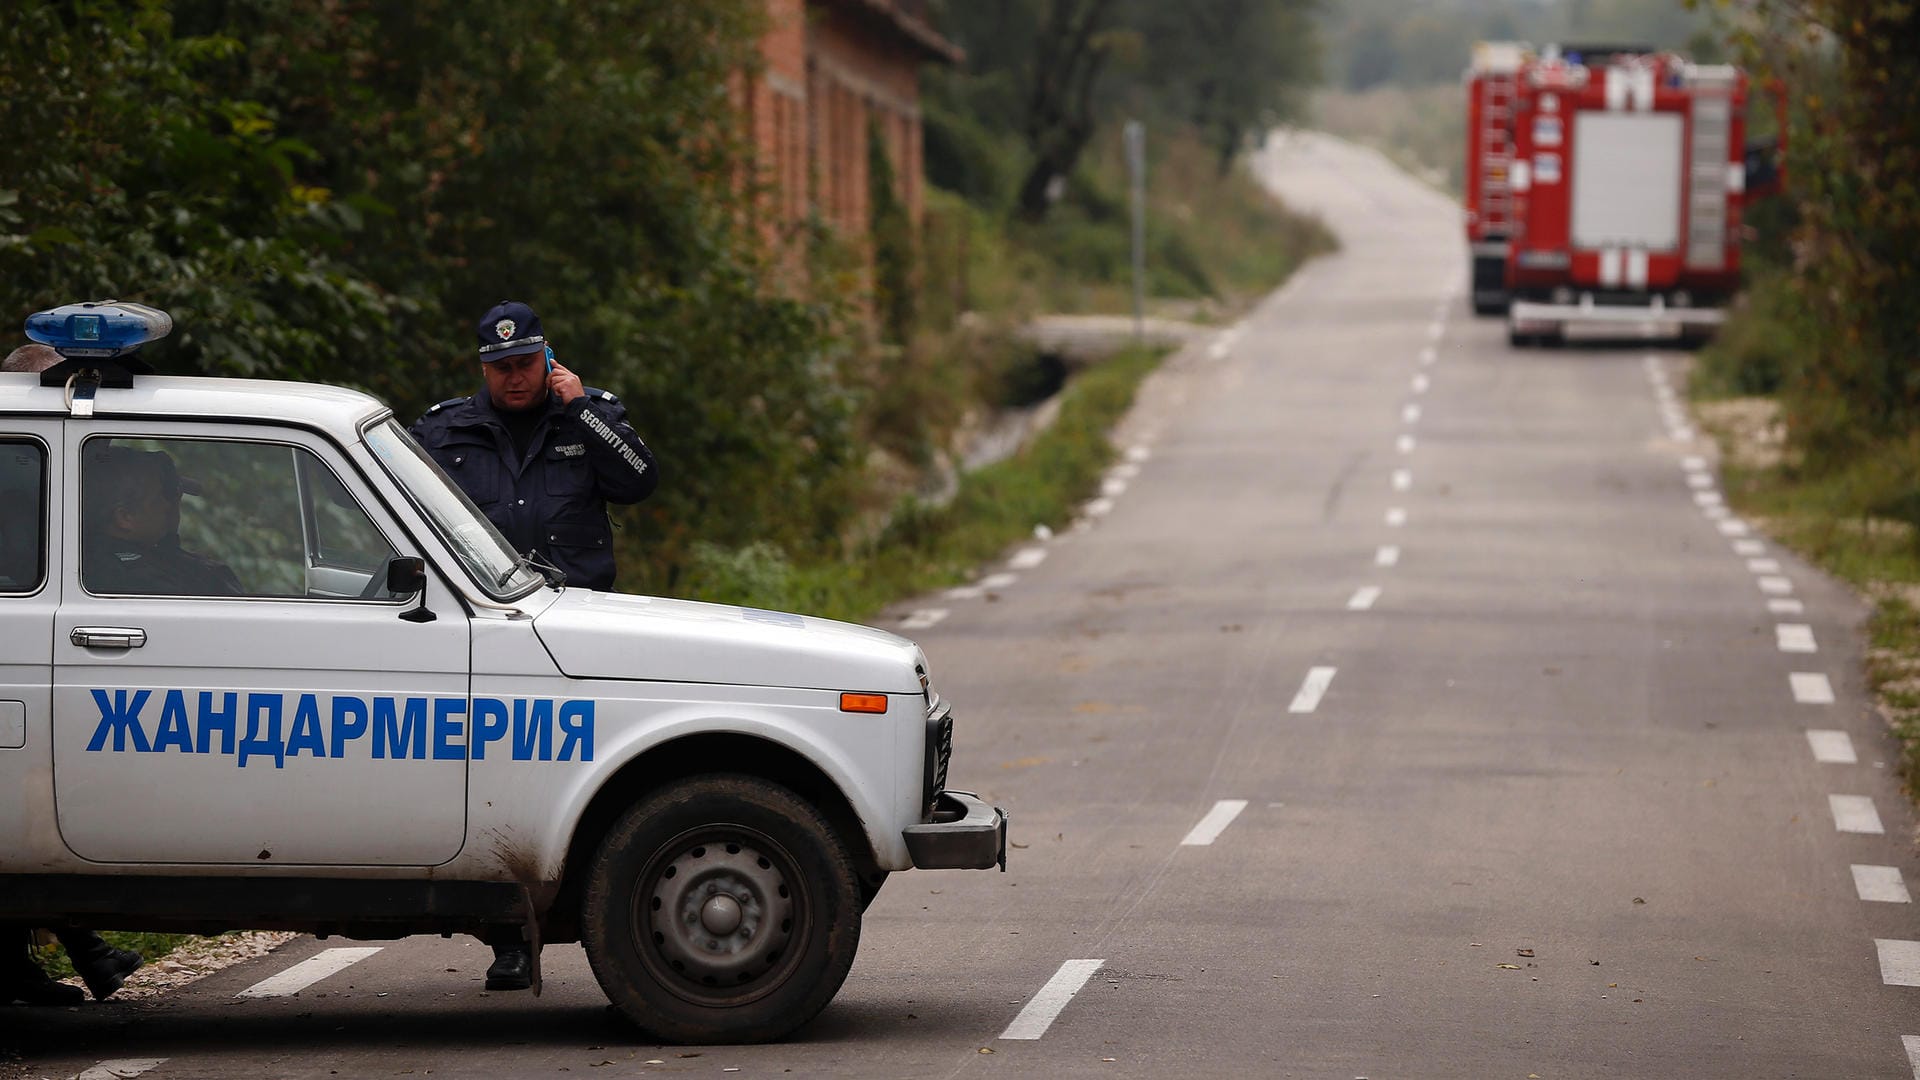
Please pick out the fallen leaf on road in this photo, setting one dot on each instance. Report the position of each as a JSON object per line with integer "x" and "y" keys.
{"x": 1639, "y": 900}
{"x": 986, "y": 1049}
{"x": 1523, "y": 952}
{"x": 1017, "y": 844}
{"x": 1508, "y": 967}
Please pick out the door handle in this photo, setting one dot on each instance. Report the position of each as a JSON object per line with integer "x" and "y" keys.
{"x": 108, "y": 637}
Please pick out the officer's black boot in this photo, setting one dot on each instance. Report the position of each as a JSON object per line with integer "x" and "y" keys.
{"x": 22, "y": 980}
{"x": 101, "y": 966}
{"x": 512, "y": 968}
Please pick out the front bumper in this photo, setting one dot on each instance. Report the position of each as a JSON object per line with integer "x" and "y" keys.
{"x": 965, "y": 834}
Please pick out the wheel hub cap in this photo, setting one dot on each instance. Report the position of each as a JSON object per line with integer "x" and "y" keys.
{"x": 720, "y": 915}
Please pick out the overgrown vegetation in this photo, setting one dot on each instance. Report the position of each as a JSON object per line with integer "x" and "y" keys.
{"x": 1829, "y": 325}
{"x": 928, "y": 544}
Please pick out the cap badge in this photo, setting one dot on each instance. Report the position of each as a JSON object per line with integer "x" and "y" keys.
{"x": 505, "y": 329}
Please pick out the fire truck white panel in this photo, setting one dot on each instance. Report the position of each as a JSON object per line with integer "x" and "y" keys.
{"x": 1626, "y": 180}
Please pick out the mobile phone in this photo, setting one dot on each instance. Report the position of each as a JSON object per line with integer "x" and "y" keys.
{"x": 549, "y": 359}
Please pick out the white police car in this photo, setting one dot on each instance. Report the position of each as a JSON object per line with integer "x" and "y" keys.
{"x": 262, "y": 666}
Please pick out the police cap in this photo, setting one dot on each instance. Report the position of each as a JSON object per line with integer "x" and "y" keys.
{"x": 509, "y": 329}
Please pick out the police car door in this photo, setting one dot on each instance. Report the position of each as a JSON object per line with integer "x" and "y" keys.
{"x": 233, "y": 683}
{"x": 29, "y": 467}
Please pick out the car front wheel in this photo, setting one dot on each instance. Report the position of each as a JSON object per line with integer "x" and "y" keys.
{"x": 721, "y": 909}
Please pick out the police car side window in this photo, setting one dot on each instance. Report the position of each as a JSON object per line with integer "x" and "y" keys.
{"x": 220, "y": 517}
{"x": 23, "y": 519}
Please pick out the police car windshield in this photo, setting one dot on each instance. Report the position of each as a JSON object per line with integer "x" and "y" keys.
{"x": 489, "y": 559}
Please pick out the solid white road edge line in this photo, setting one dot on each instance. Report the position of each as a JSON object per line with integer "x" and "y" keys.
{"x": 1215, "y": 823}
{"x": 1881, "y": 884}
{"x": 1038, "y": 1016}
{"x": 1312, "y": 690}
{"x": 1794, "y": 637}
{"x": 1363, "y": 598}
{"x": 1899, "y": 962}
{"x": 121, "y": 1068}
{"x": 1855, "y": 814}
{"x": 321, "y": 965}
{"x": 1811, "y": 688}
{"x": 1388, "y": 555}
{"x": 1832, "y": 747}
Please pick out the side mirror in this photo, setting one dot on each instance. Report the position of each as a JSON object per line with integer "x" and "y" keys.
{"x": 407, "y": 574}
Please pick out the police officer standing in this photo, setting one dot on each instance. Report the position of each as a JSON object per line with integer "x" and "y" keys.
{"x": 542, "y": 456}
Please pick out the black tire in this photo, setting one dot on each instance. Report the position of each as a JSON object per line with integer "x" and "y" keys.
{"x": 712, "y": 851}
{"x": 1489, "y": 307}
{"x": 1516, "y": 339}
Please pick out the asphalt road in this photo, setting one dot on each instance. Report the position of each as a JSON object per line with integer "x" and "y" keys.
{"x": 1407, "y": 708}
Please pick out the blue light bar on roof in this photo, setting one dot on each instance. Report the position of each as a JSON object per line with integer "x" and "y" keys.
{"x": 98, "y": 329}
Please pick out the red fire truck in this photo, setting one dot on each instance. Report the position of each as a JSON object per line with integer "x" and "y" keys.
{"x": 1627, "y": 178}
{"x": 1493, "y": 85}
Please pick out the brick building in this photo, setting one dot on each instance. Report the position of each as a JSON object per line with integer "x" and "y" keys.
{"x": 836, "y": 70}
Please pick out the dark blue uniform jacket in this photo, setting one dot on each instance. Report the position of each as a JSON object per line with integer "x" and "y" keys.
{"x": 552, "y": 501}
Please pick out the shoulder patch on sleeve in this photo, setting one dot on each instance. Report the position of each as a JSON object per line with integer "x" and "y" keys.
{"x": 606, "y": 395}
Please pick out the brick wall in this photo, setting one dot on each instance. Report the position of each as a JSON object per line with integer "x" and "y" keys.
{"x": 832, "y": 68}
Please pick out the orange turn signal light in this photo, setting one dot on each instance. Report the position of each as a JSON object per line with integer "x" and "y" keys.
{"x": 870, "y": 703}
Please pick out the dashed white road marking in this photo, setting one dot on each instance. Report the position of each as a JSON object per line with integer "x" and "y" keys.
{"x": 1215, "y": 823}
{"x": 1421, "y": 384}
{"x": 1774, "y": 585}
{"x": 965, "y": 592}
{"x": 1410, "y": 414}
{"x": 121, "y": 1069}
{"x": 321, "y": 965}
{"x": 1402, "y": 479}
{"x": 1708, "y": 498}
{"x": 1312, "y": 690}
{"x": 1899, "y": 962}
{"x": 1388, "y": 555}
{"x": 1396, "y": 517}
{"x": 1699, "y": 480}
{"x": 1436, "y": 330}
{"x": 1749, "y": 547}
{"x": 999, "y": 581}
{"x": 1682, "y": 434}
{"x": 1363, "y": 598}
{"x": 1912, "y": 1043}
{"x": 1733, "y": 527}
{"x": 1855, "y": 814}
{"x": 1763, "y": 566}
{"x": 1038, "y": 1016}
{"x": 924, "y": 618}
{"x": 1882, "y": 884}
{"x": 1126, "y": 470}
{"x": 1100, "y": 507}
{"x": 1428, "y": 355}
{"x": 1794, "y": 638}
{"x": 1716, "y": 513}
{"x": 1027, "y": 558}
{"x": 1113, "y": 486}
{"x": 1831, "y": 747}
{"x": 1788, "y": 606}
{"x": 1404, "y": 444}
{"x": 1811, "y": 688}
{"x": 1137, "y": 454}
{"x": 1218, "y": 350}
{"x": 1693, "y": 463}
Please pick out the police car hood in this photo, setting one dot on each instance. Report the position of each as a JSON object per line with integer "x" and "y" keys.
{"x": 596, "y": 635}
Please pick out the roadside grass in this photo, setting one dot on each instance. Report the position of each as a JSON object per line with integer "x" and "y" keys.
{"x": 1839, "y": 519}
{"x": 927, "y": 546}
{"x": 53, "y": 959}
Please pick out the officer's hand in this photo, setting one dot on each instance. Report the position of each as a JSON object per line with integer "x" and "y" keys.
{"x": 565, "y": 384}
